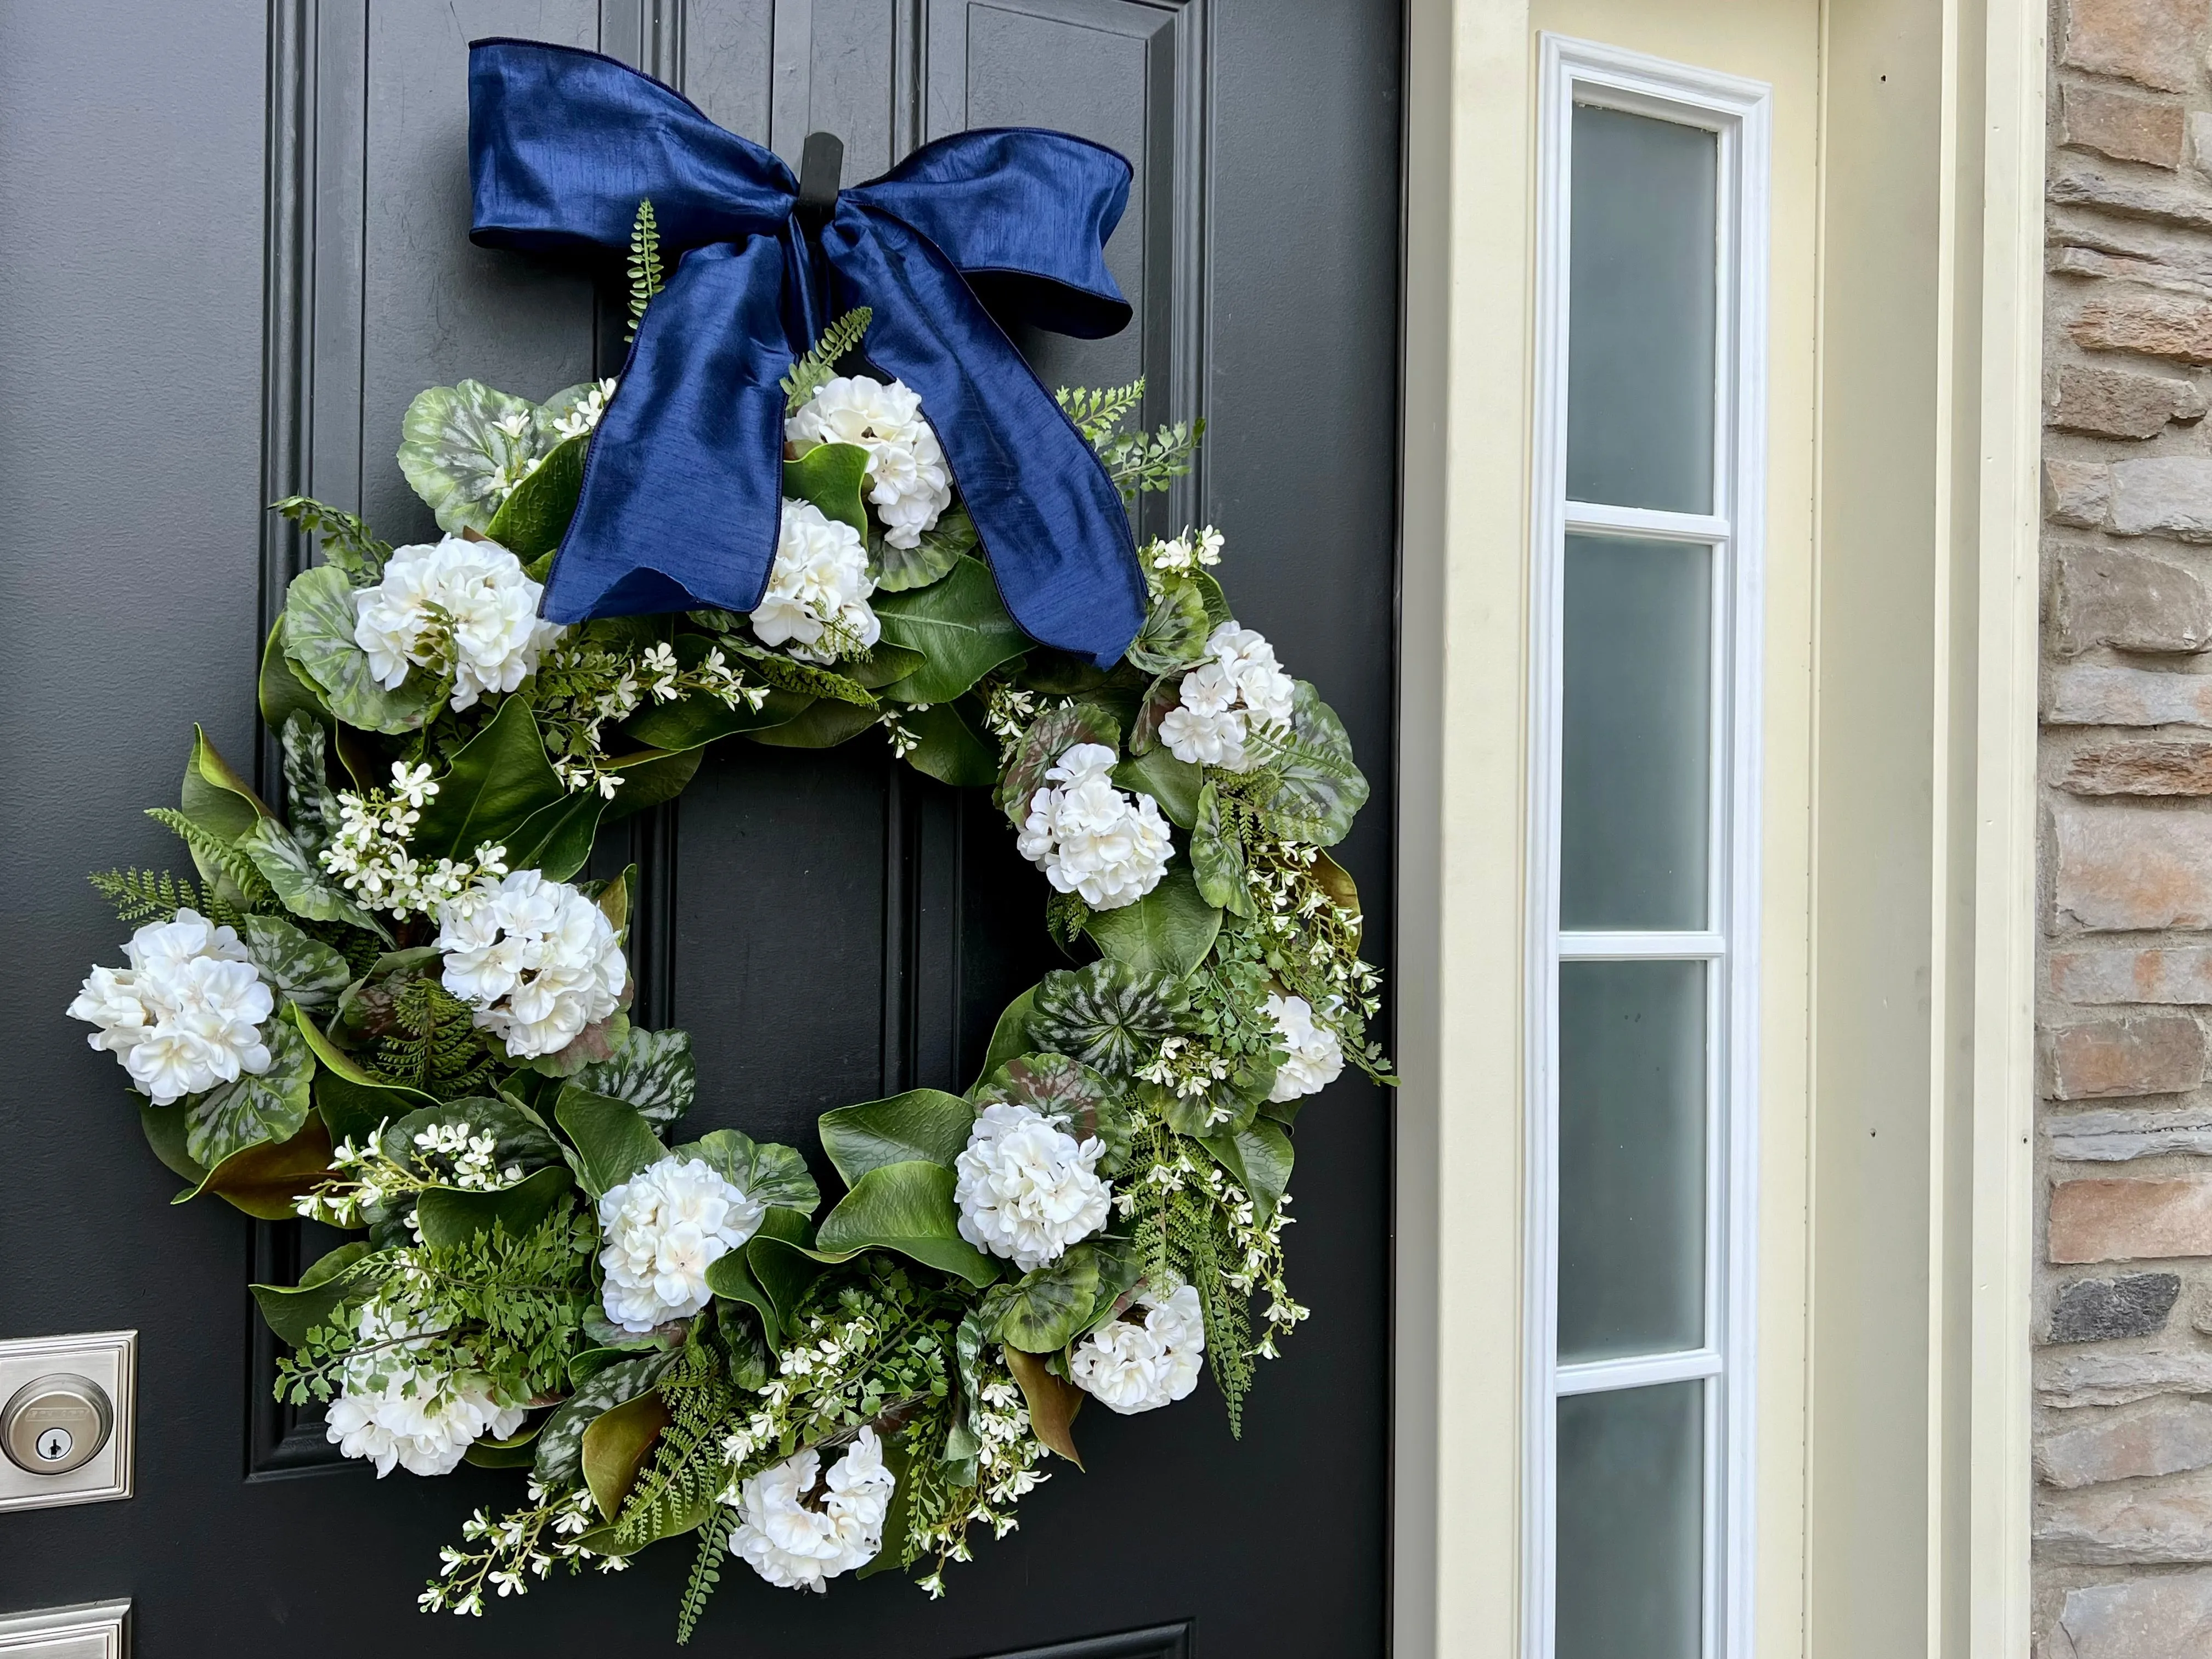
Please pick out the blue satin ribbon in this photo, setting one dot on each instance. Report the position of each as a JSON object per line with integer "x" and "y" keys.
{"x": 683, "y": 482}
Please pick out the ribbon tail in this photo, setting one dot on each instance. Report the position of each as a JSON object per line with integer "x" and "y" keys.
{"x": 1050, "y": 519}
{"x": 683, "y": 496}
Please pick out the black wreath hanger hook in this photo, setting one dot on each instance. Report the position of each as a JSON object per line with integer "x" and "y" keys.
{"x": 819, "y": 165}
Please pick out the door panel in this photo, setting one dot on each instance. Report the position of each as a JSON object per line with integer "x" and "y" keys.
{"x": 829, "y": 927}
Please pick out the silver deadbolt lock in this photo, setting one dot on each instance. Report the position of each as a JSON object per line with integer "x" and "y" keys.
{"x": 53, "y": 1424}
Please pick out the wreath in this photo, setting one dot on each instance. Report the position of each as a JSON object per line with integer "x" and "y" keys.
{"x": 392, "y": 1006}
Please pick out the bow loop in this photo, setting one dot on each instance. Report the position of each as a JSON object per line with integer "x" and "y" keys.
{"x": 682, "y": 495}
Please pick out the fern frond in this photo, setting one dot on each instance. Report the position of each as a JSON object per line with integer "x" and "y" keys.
{"x": 706, "y": 1570}
{"x": 434, "y": 1045}
{"x": 841, "y": 338}
{"x": 1137, "y": 463}
{"x": 236, "y": 867}
{"x": 646, "y": 276}
{"x": 143, "y": 896}
{"x": 689, "y": 1469}
{"x": 346, "y": 542}
{"x": 1098, "y": 411}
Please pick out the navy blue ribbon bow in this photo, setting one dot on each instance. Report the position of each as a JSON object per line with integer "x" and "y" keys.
{"x": 684, "y": 483}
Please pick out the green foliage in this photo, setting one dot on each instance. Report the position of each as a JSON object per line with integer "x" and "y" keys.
{"x": 431, "y": 1042}
{"x": 838, "y": 340}
{"x": 346, "y": 541}
{"x": 959, "y": 625}
{"x": 899, "y": 568}
{"x": 646, "y": 277}
{"x": 319, "y": 643}
{"x": 1170, "y": 931}
{"x": 830, "y": 475}
{"x": 257, "y": 1108}
{"x": 653, "y": 1070}
{"x": 311, "y": 809}
{"x": 927, "y": 1125}
{"x": 1136, "y": 461}
{"x": 706, "y": 1570}
{"x": 1317, "y": 788}
{"x": 1108, "y": 1015}
{"x": 677, "y": 1490}
{"x": 465, "y": 448}
{"x": 1099, "y": 411}
{"x": 144, "y": 895}
{"x": 907, "y": 1208}
{"x": 214, "y": 854}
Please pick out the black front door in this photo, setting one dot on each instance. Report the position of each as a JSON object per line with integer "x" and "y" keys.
{"x": 232, "y": 246}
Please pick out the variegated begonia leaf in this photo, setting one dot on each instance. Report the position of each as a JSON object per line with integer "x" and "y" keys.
{"x": 465, "y": 447}
{"x": 653, "y": 1070}
{"x": 305, "y": 970}
{"x": 1048, "y": 737}
{"x": 1066, "y": 1091}
{"x": 269, "y": 1106}
{"x": 1107, "y": 1015}
{"x": 901, "y": 568}
{"x": 310, "y": 807}
{"x": 760, "y": 1169}
{"x": 320, "y": 618}
{"x": 1321, "y": 789}
{"x": 305, "y": 887}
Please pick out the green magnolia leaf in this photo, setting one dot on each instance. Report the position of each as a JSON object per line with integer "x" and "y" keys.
{"x": 519, "y": 1452}
{"x": 1175, "y": 630}
{"x": 305, "y": 887}
{"x": 283, "y": 690}
{"x": 1216, "y": 859}
{"x": 1210, "y": 593}
{"x": 789, "y": 674}
{"x": 950, "y": 749}
{"x": 901, "y": 569}
{"x": 264, "y": 1179}
{"x": 1108, "y": 1015}
{"x": 1164, "y": 694}
{"x": 217, "y": 799}
{"x": 829, "y": 475}
{"x": 617, "y": 1446}
{"x": 1170, "y": 931}
{"x": 1011, "y": 1035}
{"x": 307, "y": 972}
{"x": 1070, "y": 1092}
{"x": 1175, "y": 784}
{"x": 351, "y": 1100}
{"x": 164, "y": 1128}
{"x": 886, "y": 665}
{"x": 1259, "y": 1156}
{"x": 269, "y": 1106}
{"x": 924, "y": 1124}
{"x": 519, "y": 1138}
{"x": 822, "y": 724}
{"x": 1050, "y": 1305}
{"x": 957, "y": 624}
{"x": 907, "y": 1208}
{"x": 342, "y": 1275}
{"x": 560, "y": 1466}
{"x": 1322, "y": 791}
{"x": 650, "y": 777}
{"x": 760, "y": 1169}
{"x": 612, "y": 1139}
{"x": 1333, "y": 879}
{"x": 448, "y": 1215}
{"x": 1053, "y": 1401}
{"x": 653, "y": 1070}
{"x": 770, "y": 1274}
{"x": 311, "y": 809}
{"x": 318, "y": 623}
{"x": 498, "y": 779}
{"x": 694, "y": 721}
{"x": 557, "y": 838}
{"x": 464, "y": 448}
{"x": 1049, "y": 736}
{"x": 531, "y": 520}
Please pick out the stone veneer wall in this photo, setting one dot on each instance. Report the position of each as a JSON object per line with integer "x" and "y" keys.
{"x": 2123, "y": 1298}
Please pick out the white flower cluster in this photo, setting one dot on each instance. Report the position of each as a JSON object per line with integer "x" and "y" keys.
{"x": 539, "y": 960}
{"x": 369, "y": 854}
{"x": 1092, "y": 839}
{"x": 361, "y": 1177}
{"x": 796, "y": 1538}
{"x": 1313, "y": 1057}
{"x": 1224, "y": 701}
{"x": 907, "y": 479}
{"x": 816, "y": 602}
{"x": 530, "y": 1544}
{"x": 664, "y": 1227}
{"x": 453, "y": 606}
{"x": 591, "y": 685}
{"x": 1027, "y": 1189}
{"x": 1254, "y": 1265}
{"x": 393, "y": 1411}
{"x": 1188, "y": 551}
{"x": 186, "y": 1015}
{"x": 584, "y": 415}
{"x": 1005, "y": 1473}
{"x": 1145, "y": 1359}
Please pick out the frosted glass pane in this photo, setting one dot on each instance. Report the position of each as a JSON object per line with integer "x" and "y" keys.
{"x": 1640, "y": 313}
{"x": 1630, "y": 1538}
{"x": 1631, "y": 1158}
{"x": 1632, "y": 808}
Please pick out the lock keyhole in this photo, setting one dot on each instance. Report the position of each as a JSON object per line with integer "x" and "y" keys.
{"x": 54, "y": 1425}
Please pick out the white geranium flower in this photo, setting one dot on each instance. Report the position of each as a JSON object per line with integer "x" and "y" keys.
{"x": 1147, "y": 1359}
{"x": 399, "y": 1414}
{"x": 455, "y": 603}
{"x": 1313, "y": 1057}
{"x": 537, "y": 959}
{"x": 186, "y": 1015}
{"x": 1240, "y": 687}
{"x": 797, "y": 1536}
{"x": 907, "y": 479}
{"x": 664, "y": 1227}
{"x": 1027, "y": 1189}
{"x": 820, "y": 587}
{"x": 1091, "y": 838}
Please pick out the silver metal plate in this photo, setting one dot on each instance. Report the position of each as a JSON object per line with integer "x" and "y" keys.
{"x": 107, "y": 1358}
{"x": 92, "y": 1630}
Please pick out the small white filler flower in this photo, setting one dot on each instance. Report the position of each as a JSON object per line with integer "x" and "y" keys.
{"x": 1243, "y": 686}
{"x": 396, "y": 1413}
{"x": 1147, "y": 1359}
{"x": 1092, "y": 839}
{"x": 455, "y": 604}
{"x": 664, "y": 1227}
{"x": 816, "y": 603}
{"x": 538, "y": 960}
{"x": 907, "y": 479}
{"x": 186, "y": 1015}
{"x": 1027, "y": 1189}
{"x": 1312, "y": 1055}
{"x": 797, "y": 1528}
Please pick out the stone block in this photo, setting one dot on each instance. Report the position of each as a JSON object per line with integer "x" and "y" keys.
{"x": 2116, "y": 403}
{"x": 2141, "y": 765}
{"x": 2168, "y": 1617}
{"x": 2094, "y": 694}
{"x": 2162, "y": 495}
{"x": 2166, "y": 1436}
{"x": 2131, "y": 1220}
{"x": 2077, "y": 493}
{"x": 2144, "y": 1523}
{"x": 2099, "y": 1060}
{"x": 2154, "y": 43}
{"x": 2115, "y": 867}
{"x": 2116, "y": 1136}
{"x": 2112, "y": 596}
{"x": 2122, "y": 317}
{"x": 2068, "y": 1381}
{"x": 2121, "y": 125}
{"x": 2098, "y": 1310}
{"x": 2178, "y": 973}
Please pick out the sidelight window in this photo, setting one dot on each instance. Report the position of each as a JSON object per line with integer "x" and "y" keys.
{"x": 1643, "y": 857}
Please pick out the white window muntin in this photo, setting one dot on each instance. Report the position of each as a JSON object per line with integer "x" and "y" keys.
{"x": 1737, "y": 112}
